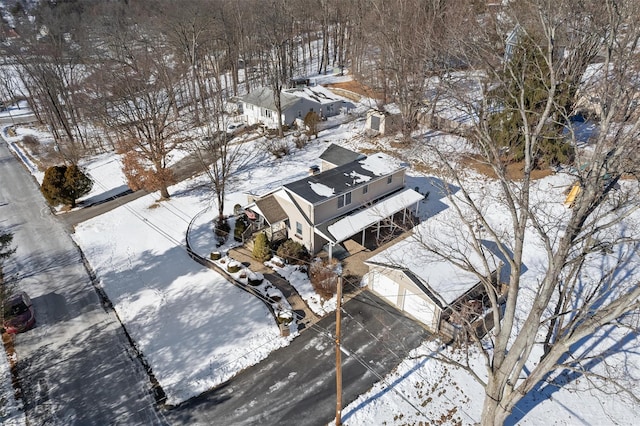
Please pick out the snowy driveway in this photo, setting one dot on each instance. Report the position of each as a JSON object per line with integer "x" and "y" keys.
{"x": 75, "y": 366}
{"x": 296, "y": 384}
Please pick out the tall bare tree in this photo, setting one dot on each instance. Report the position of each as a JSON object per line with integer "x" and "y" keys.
{"x": 51, "y": 58}
{"x": 541, "y": 330}
{"x": 141, "y": 105}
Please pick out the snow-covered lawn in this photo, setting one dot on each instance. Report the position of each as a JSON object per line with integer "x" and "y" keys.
{"x": 194, "y": 327}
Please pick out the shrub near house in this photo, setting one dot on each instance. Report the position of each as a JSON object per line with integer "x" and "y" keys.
{"x": 261, "y": 251}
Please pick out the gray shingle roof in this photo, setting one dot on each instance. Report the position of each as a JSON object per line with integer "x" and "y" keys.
{"x": 338, "y": 156}
{"x": 341, "y": 179}
{"x": 271, "y": 209}
{"x": 263, "y": 98}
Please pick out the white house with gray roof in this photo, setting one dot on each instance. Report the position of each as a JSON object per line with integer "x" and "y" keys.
{"x": 259, "y": 106}
{"x": 340, "y": 202}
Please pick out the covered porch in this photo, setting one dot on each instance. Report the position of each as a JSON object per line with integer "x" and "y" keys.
{"x": 266, "y": 215}
{"x": 366, "y": 225}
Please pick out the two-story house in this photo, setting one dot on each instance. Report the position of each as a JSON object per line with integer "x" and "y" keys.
{"x": 351, "y": 193}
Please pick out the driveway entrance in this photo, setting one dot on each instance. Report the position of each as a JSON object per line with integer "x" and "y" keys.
{"x": 296, "y": 384}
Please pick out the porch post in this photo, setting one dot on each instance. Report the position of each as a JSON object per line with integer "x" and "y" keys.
{"x": 417, "y": 207}
{"x": 378, "y": 231}
{"x": 330, "y": 250}
{"x": 363, "y": 235}
{"x": 404, "y": 215}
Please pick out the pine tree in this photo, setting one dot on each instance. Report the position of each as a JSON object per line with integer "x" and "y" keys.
{"x": 261, "y": 249}
{"x": 527, "y": 85}
{"x": 76, "y": 184}
{"x": 52, "y": 185}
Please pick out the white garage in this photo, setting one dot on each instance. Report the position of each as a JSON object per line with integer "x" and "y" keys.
{"x": 405, "y": 291}
{"x": 421, "y": 308}
{"x": 384, "y": 287}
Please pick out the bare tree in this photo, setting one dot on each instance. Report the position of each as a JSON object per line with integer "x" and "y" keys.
{"x": 215, "y": 149}
{"x": 409, "y": 36}
{"x": 539, "y": 331}
{"x": 277, "y": 34}
{"x": 142, "y": 107}
{"x": 51, "y": 60}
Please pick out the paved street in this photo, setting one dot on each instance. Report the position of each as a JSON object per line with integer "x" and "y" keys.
{"x": 296, "y": 384}
{"x": 76, "y": 367}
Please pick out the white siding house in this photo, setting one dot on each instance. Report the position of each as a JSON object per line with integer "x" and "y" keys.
{"x": 259, "y": 105}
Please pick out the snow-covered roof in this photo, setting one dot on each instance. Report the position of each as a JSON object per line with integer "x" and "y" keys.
{"x": 315, "y": 93}
{"x": 446, "y": 280}
{"x": 263, "y": 98}
{"x": 348, "y": 226}
{"x": 344, "y": 178}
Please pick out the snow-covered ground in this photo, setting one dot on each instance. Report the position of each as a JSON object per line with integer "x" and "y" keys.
{"x": 425, "y": 390}
{"x": 300, "y": 281}
{"x": 196, "y": 329}
{"x": 11, "y": 413}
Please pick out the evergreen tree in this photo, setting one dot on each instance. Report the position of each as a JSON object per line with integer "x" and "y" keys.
{"x": 65, "y": 184}
{"x": 261, "y": 251}
{"x": 526, "y": 93}
{"x": 53, "y": 184}
{"x": 76, "y": 184}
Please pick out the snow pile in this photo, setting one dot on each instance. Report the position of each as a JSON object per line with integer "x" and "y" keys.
{"x": 299, "y": 279}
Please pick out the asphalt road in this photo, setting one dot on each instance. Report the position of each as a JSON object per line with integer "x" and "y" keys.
{"x": 296, "y": 384}
{"x": 76, "y": 365}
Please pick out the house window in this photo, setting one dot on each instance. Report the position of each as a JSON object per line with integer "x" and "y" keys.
{"x": 365, "y": 189}
{"x": 298, "y": 228}
{"x": 389, "y": 179}
{"x": 344, "y": 200}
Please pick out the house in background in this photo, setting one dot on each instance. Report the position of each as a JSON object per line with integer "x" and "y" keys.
{"x": 447, "y": 299}
{"x": 352, "y": 193}
{"x": 258, "y": 107}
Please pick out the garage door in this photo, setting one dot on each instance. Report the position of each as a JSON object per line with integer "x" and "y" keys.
{"x": 384, "y": 287}
{"x": 420, "y": 309}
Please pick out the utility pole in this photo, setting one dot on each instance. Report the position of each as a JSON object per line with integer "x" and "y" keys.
{"x": 338, "y": 355}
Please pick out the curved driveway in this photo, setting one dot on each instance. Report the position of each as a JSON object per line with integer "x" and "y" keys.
{"x": 76, "y": 366}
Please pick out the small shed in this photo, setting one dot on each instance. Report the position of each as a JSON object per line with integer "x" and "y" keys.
{"x": 383, "y": 122}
